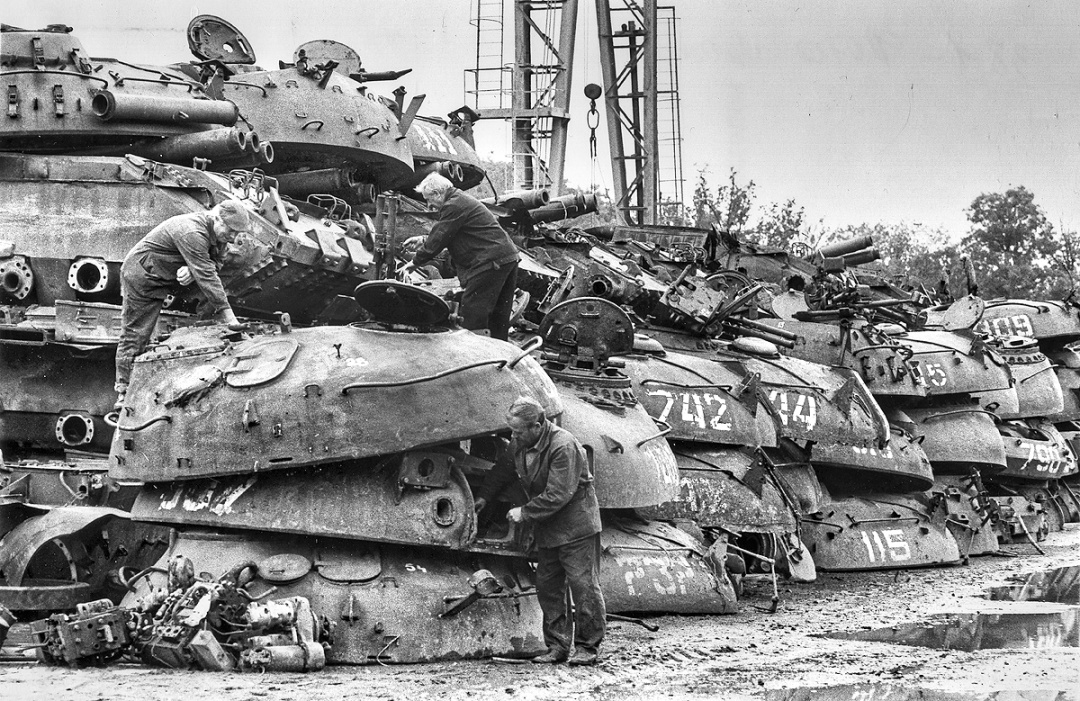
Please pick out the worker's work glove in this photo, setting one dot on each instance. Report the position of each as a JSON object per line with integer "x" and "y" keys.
{"x": 413, "y": 243}
{"x": 229, "y": 318}
{"x": 184, "y": 276}
{"x": 514, "y": 515}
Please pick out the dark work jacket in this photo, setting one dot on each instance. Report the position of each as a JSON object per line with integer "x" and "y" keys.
{"x": 186, "y": 239}
{"x": 558, "y": 480}
{"x": 472, "y": 235}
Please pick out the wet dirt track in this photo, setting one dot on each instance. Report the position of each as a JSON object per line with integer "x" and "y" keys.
{"x": 749, "y": 655}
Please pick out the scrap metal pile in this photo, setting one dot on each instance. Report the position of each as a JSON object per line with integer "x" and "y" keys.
{"x": 301, "y": 492}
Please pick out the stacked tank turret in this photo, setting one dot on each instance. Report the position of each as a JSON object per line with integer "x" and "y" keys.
{"x": 329, "y": 451}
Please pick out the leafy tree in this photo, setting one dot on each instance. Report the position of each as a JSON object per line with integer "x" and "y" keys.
{"x": 729, "y": 208}
{"x": 1010, "y": 244}
{"x": 783, "y": 224}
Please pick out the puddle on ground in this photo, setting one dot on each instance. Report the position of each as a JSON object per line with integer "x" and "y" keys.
{"x": 1061, "y": 585}
{"x": 981, "y": 631}
{"x": 898, "y": 692}
{"x": 1056, "y": 628}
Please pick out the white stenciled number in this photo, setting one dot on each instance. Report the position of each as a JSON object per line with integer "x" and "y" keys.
{"x": 669, "y": 401}
{"x": 692, "y": 411}
{"x": 886, "y": 545}
{"x": 704, "y": 411}
{"x": 801, "y": 408}
{"x": 720, "y": 403}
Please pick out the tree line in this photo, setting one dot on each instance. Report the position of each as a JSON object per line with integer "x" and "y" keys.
{"x": 1014, "y": 249}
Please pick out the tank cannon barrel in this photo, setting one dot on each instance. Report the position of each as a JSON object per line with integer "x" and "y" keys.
{"x": 565, "y": 207}
{"x": 448, "y": 169}
{"x": 866, "y": 255}
{"x": 521, "y": 199}
{"x": 224, "y": 142}
{"x": 843, "y": 248}
{"x": 373, "y": 76}
{"x": 110, "y": 106}
{"x": 312, "y": 182}
{"x": 757, "y": 325}
{"x": 737, "y": 327}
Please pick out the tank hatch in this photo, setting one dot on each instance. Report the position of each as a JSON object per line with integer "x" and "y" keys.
{"x": 211, "y": 38}
{"x": 399, "y": 303}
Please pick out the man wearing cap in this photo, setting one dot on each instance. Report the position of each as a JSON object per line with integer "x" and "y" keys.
{"x": 184, "y": 249}
{"x": 485, "y": 257}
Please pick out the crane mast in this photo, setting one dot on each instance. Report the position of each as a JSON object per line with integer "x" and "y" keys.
{"x": 636, "y": 38}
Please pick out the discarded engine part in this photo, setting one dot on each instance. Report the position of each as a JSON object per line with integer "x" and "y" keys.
{"x": 208, "y": 653}
{"x": 894, "y": 531}
{"x": 384, "y": 602}
{"x": 703, "y": 400}
{"x": 956, "y": 437}
{"x": 1035, "y": 450}
{"x": 971, "y": 518}
{"x": 199, "y": 388}
{"x": 302, "y": 657}
{"x": 1056, "y": 323}
{"x": 1036, "y": 384}
{"x": 653, "y": 566}
{"x": 730, "y": 489}
{"x": 371, "y": 501}
{"x": 94, "y": 635}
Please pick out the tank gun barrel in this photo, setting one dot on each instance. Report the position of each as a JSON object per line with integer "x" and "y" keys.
{"x": 373, "y": 76}
{"x": 866, "y": 255}
{"x": 224, "y": 142}
{"x": 565, "y": 207}
{"x": 324, "y": 180}
{"x": 110, "y": 106}
{"x": 843, "y": 248}
{"x": 521, "y": 199}
{"x": 757, "y": 325}
{"x": 737, "y": 327}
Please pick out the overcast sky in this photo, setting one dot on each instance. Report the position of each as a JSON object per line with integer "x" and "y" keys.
{"x": 860, "y": 111}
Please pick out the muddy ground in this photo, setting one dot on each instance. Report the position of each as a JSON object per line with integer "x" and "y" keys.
{"x": 749, "y": 655}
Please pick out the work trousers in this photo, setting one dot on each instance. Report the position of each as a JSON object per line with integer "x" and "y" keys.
{"x": 488, "y": 300}
{"x": 139, "y": 315}
{"x": 571, "y": 570}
